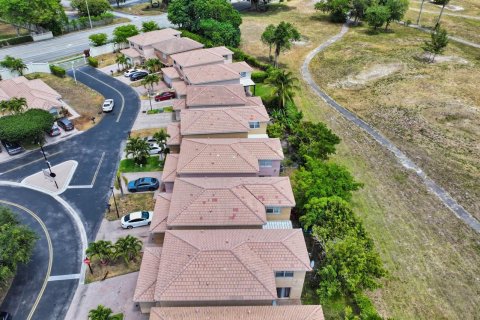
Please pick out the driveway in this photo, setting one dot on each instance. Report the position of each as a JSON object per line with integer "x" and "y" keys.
{"x": 97, "y": 152}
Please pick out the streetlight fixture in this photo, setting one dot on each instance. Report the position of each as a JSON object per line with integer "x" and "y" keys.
{"x": 150, "y": 98}
{"x": 88, "y": 12}
{"x": 115, "y": 202}
{"x": 52, "y": 174}
{"x": 74, "y": 75}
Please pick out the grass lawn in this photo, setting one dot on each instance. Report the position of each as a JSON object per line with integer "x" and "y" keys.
{"x": 263, "y": 90}
{"x": 115, "y": 269}
{"x": 430, "y": 255}
{"x": 153, "y": 164}
{"x": 107, "y": 59}
{"x": 145, "y": 132}
{"x": 141, "y": 9}
{"x": 130, "y": 203}
{"x": 8, "y": 31}
{"x": 84, "y": 100}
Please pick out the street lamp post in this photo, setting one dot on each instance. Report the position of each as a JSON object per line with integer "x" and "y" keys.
{"x": 88, "y": 12}
{"x": 150, "y": 98}
{"x": 52, "y": 174}
{"x": 74, "y": 75}
{"x": 115, "y": 202}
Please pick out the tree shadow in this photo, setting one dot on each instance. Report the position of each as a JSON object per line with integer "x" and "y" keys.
{"x": 269, "y": 10}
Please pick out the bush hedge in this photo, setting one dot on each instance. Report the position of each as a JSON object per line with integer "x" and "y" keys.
{"x": 259, "y": 76}
{"x": 57, "y": 71}
{"x": 239, "y": 55}
{"x": 28, "y": 127}
{"x": 92, "y": 62}
{"x": 17, "y": 40}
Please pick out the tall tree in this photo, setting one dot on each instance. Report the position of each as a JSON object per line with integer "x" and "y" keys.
{"x": 268, "y": 38}
{"x": 13, "y": 64}
{"x": 121, "y": 60}
{"x": 148, "y": 26}
{"x": 437, "y": 43}
{"x": 100, "y": 313}
{"x": 128, "y": 248}
{"x": 284, "y": 84}
{"x": 443, "y": 3}
{"x": 138, "y": 149}
{"x": 284, "y": 34}
{"x": 377, "y": 16}
{"x": 338, "y": 9}
{"x": 150, "y": 80}
{"x": 397, "y": 10}
{"x": 95, "y": 7}
{"x": 161, "y": 137}
{"x": 122, "y": 33}
{"x": 153, "y": 64}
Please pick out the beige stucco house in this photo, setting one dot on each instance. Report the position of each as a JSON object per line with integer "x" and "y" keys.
{"x": 238, "y": 267}
{"x": 165, "y": 49}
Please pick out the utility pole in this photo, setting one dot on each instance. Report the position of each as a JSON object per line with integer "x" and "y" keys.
{"x": 74, "y": 75}
{"x": 115, "y": 202}
{"x": 52, "y": 174}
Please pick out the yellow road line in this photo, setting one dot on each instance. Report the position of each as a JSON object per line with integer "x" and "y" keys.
{"x": 50, "y": 252}
{"x": 29, "y": 163}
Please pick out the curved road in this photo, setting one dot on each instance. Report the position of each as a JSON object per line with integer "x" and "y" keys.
{"x": 97, "y": 152}
{"x": 406, "y": 162}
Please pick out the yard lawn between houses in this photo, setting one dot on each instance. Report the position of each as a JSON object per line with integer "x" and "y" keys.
{"x": 129, "y": 203}
{"x": 85, "y": 101}
{"x": 114, "y": 269}
{"x": 431, "y": 256}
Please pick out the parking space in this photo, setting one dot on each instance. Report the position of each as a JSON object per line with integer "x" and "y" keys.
{"x": 131, "y": 176}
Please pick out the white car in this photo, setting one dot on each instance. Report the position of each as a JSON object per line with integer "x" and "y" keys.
{"x": 136, "y": 219}
{"x": 108, "y": 105}
{"x": 154, "y": 149}
{"x": 129, "y": 72}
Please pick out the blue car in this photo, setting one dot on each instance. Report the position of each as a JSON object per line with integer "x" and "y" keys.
{"x": 143, "y": 184}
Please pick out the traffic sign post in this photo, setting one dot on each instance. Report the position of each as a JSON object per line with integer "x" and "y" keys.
{"x": 88, "y": 263}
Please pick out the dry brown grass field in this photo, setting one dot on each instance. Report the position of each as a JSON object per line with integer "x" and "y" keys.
{"x": 432, "y": 257}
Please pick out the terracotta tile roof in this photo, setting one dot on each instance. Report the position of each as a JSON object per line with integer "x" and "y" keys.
{"x": 219, "y": 265}
{"x": 160, "y": 213}
{"x": 293, "y": 312}
{"x": 146, "y": 282}
{"x": 241, "y": 66}
{"x": 171, "y": 72}
{"x": 36, "y": 92}
{"x": 131, "y": 53}
{"x": 152, "y": 37}
{"x": 226, "y": 156}
{"x": 170, "y": 168}
{"x": 210, "y": 74}
{"x": 221, "y": 120}
{"x": 216, "y": 95}
{"x": 173, "y": 130}
{"x": 179, "y": 104}
{"x": 227, "y": 201}
{"x": 222, "y": 51}
{"x": 255, "y": 101}
{"x": 198, "y": 57}
{"x": 180, "y": 88}
{"x": 177, "y": 45}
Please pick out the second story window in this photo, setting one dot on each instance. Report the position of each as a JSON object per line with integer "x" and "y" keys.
{"x": 284, "y": 274}
{"x": 132, "y": 44}
{"x": 265, "y": 163}
{"x": 273, "y": 210}
{"x": 254, "y": 125}
{"x": 283, "y": 292}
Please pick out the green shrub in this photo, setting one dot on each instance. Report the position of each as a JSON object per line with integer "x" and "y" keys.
{"x": 366, "y": 308}
{"x": 206, "y": 42}
{"x": 28, "y": 127}
{"x": 57, "y": 71}
{"x": 239, "y": 55}
{"x": 168, "y": 109}
{"x": 98, "y": 39}
{"x": 17, "y": 40}
{"x": 93, "y": 62}
{"x": 259, "y": 76}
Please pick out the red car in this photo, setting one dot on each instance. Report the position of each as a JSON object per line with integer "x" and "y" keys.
{"x": 165, "y": 96}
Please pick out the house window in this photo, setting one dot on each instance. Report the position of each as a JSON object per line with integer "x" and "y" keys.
{"x": 254, "y": 125}
{"x": 284, "y": 274}
{"x": 265, "y": 163}
{"x": 283, "y": 292}
{"x": 132, "y": 44}
{"x": 140, "y": 47}
{"x": 273, "y": 210}
{"x": 243, "y": 74}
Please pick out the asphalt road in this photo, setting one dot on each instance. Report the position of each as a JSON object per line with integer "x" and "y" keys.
{"x": 97, "y": 149}
{"x": 72, "y": 43}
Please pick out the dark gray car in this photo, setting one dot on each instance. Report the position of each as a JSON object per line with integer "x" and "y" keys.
{"x": 65, "y": 124}
{"x": 12, "y": 147}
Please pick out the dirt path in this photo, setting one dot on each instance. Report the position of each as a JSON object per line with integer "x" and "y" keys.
{"x": 406, "y": 162}
{"x": 446, "y": 14}
{"x": 459, "y": 40}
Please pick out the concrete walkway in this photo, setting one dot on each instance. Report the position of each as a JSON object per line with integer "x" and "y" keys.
{"x": 406, "y": 162}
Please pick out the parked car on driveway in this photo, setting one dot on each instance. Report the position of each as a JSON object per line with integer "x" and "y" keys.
{"x": 129, "y": 72}
{"x": 150, "y": 140}
{"x": 167, "y": 95}
{"x": 54, "y": 131}
{"x": 65, "y": 124}
{"x": 12, "y": 147}
{"x": 154, "y": 149}
{"x": 136, "y": 219}
{"x": 143, "y": 184}
{"x": 108, "y": 105}
{"x": 138, "y": 75}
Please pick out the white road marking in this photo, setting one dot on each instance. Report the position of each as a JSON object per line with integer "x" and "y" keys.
{"x": 29, "y": 163}
{"x": 121, "y": 95}
{"x": 98, "y": 169}
{"x": 64, "y": 277}
{"x": 86, "y": 186}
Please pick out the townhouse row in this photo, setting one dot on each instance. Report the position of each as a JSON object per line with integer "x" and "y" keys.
{"x": 221, "y": 243}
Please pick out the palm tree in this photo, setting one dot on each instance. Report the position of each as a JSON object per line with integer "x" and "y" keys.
{"x": 284, "y": 84}
{"x": 153, "y": 65}
{"x": 138, "y": 149}
{"x": 150, "y": 80}
{"x": 101, "y": 313}
{"x": 282, "y": 38}
{"x": 13, "y": 64}
{"x": 128, "y": 248}
{"x": 161, "y": 139}
{"x": 121, "y": 60}
{"x": 13, "y": 105}
{"x": 443, "y": 3}
{"x": 102, "y": 249}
